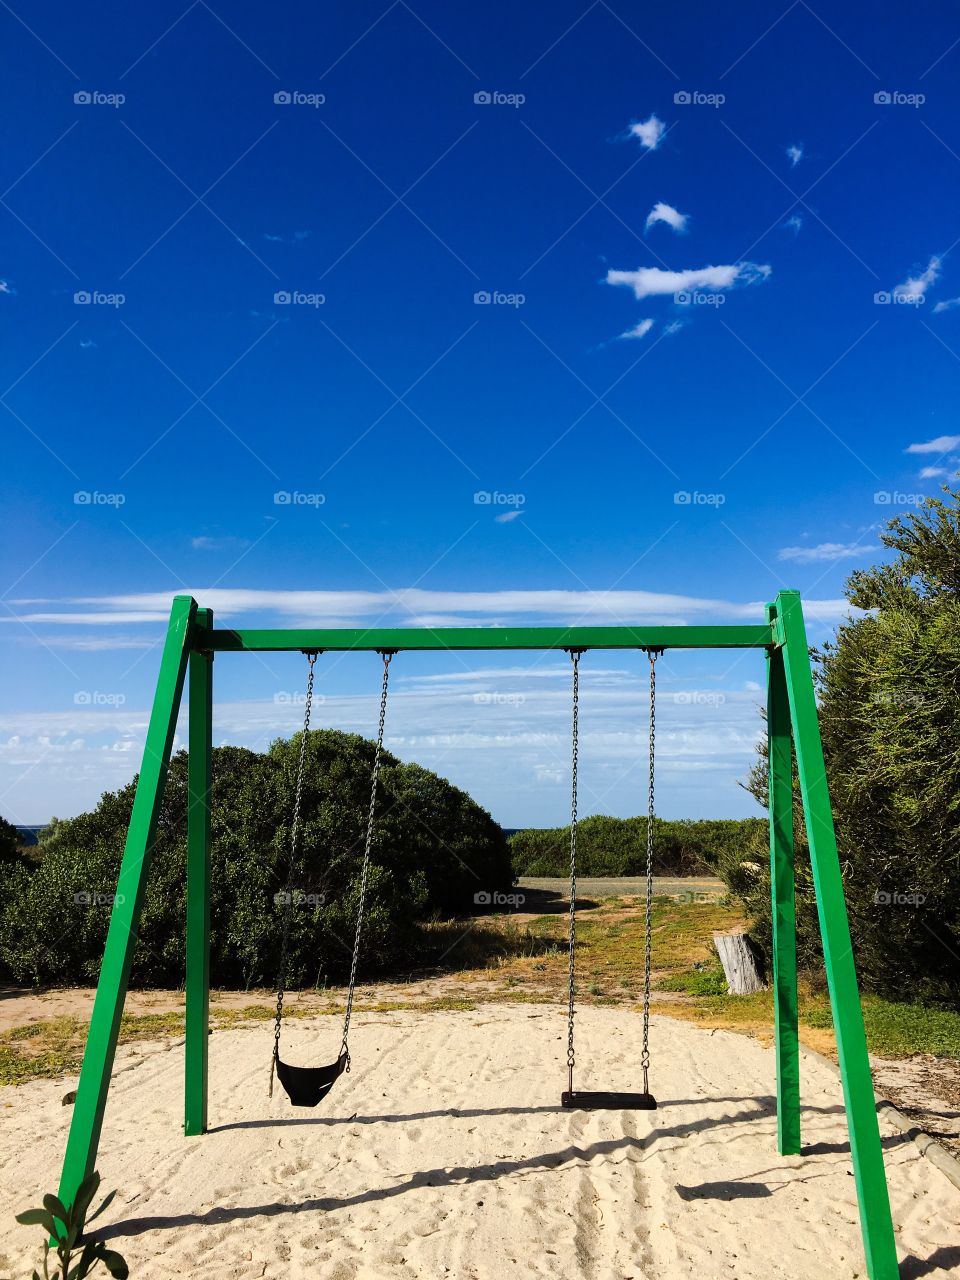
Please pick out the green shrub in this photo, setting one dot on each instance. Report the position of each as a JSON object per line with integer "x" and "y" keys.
{"x": 889, "y": 691}
{"x": 433, "y": 849}
{"x": 618, "y": 846}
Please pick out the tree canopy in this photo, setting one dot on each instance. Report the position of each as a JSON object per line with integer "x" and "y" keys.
{"x": 889, "y": 689}
{"x": 433, "y": 849}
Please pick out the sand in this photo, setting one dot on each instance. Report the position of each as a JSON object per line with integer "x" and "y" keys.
{"x": 445, "y": 1153}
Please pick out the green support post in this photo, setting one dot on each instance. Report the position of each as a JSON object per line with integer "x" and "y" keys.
{"x": 875, "y": 1221}
{"x": 85, "y": 1125}
{"x": 783, "y": 912}
{"x": 198, "y": 879}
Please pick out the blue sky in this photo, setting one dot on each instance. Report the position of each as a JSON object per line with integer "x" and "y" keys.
{"x": 773, "y": 190}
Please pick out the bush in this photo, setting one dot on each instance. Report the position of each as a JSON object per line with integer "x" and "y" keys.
{"x": 889, "y": 689}
{"x": 618, "y": 846}
{"x": 433, "y": 849}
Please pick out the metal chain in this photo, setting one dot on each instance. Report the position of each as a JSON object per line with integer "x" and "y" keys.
{"x": 345, "y": 1048}
{"x": 292, "y": 868}
{"x": 645, "y": 1054}
{"x": 575, "y": 734}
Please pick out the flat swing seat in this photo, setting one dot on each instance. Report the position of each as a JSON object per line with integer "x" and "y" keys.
{"x": 583, "y": 1100}
{"x": 307, "y": 1086}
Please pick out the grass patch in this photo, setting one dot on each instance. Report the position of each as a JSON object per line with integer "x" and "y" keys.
{"x": 524, "y": 961}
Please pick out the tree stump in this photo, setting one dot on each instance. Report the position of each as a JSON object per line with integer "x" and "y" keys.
{"x": 741, "y": 963}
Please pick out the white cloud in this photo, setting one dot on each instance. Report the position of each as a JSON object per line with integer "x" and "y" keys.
{"x": 795, "y": 154}
{"x": 916, "y": 286}
{"x": 651, "y": 281}
{"x": 650, "y": 132}
{"x": 948, "y": 304}
{"x": 942, "y": 444}
{"x": 506, "y": 516}
{"x": 225, "y": 543}
{"x": 931, "y": 473}
{"x": 674, "y": 326}
{"x": 824, "y": 551}
{"x": 403, "y": 606}
{"x": 667, "y": 213}
{"x": 639, "y": 330}
{"x": 793, "y": 224}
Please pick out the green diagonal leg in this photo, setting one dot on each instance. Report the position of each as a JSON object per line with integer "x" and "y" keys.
{"x": 81, "y": 1154}
{"x": 875, "y": 1220}
{"x": 783, "y": 913}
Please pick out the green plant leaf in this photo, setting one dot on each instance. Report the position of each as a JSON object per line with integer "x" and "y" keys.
{"x": 100, "y": 1208}
{"x": 87, "y": 1261}
{"x": 115, "y": 1264}
{"x": 85, "y": 1193}
{"x": 39, "y": 1218}
{"x": 56, "y": 1207}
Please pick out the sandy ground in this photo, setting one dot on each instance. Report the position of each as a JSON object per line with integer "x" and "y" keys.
{"x": 444, "y": 1153}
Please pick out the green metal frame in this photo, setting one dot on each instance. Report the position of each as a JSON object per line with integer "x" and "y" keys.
{"x": 794, "y": 733}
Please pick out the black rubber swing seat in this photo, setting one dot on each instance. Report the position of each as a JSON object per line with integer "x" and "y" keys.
{"x": 582, "y": 1100}
{"x": 306, "y": 1086}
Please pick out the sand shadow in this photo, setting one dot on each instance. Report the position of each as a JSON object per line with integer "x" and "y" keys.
{"x": 942, "y": 1261}
{"x": 724, "y": 1191}
{"x": 442, "y": 1177}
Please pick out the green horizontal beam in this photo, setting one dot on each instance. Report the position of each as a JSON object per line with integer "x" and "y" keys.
{"x": 496, "y": 638}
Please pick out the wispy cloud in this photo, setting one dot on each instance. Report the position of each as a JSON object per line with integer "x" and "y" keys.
{"x": 639, "y": 330}
{"x": 931, "y": 473}
{"x": 225, "y": 543}
{"x": 948, "y": 304}
{"x": 662, "y": 212}
{"x": 505, "y": 517}
{"x": 824, "y": 551}
{"x": 795, "y": 154}
{"x": 296, "y": 238}
{"x": 649, "y": 132}
{"x": 6, "y": 287}
{"x": 916, "y": 286}
{"x": 345, "y": 608}
{"x": 941, "y": 444}
{"x": 793, "y": 224}
{"x": 649, "y": 282}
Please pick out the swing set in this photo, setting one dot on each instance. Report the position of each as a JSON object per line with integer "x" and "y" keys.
{"x": 793, "y": 732}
